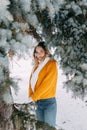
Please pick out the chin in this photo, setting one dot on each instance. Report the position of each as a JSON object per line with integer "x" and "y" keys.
{"x": 41, "y": 59}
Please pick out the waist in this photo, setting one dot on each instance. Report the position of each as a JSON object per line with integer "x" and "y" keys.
{"x": 53, "y": 99}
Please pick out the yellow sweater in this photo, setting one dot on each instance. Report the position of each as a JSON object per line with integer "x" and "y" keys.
{"x": 46, "y": 84}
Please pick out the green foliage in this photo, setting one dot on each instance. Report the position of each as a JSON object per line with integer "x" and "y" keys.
{"x": 62, "y": 25}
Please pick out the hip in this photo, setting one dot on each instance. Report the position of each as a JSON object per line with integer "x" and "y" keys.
{"x": 44, "y": 103}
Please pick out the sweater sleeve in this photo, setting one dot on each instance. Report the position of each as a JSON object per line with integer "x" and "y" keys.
{"x": 48, "y": 82}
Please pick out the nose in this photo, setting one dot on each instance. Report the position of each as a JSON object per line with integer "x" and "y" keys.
{"x": 39, "y": 54}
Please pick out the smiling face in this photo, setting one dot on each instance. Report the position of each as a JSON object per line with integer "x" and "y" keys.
{"x": 40, "y": 53}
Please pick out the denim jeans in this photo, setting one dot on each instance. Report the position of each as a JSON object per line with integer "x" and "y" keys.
{"x": 46, "y": 111}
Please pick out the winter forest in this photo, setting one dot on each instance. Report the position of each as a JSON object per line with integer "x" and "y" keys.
{"x": 62, "y": 24}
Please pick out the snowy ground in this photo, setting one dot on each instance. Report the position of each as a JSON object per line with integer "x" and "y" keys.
{"x": 71, "y": 114}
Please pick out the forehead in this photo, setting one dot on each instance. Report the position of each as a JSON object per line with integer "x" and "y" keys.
{"x": 39, "y": 48}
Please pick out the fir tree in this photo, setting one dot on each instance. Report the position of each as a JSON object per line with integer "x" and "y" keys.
{"x": 62, "y": 24}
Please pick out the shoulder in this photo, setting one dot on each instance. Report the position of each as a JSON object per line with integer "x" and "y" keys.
{"x": 52, "y": 62}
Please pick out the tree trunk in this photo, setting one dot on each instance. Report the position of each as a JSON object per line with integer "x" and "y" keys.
{"x": 6, "y": 109}
{"x": 5, "y": 116}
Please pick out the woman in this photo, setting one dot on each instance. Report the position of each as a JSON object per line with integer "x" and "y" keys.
{"x": 43, "y": 81}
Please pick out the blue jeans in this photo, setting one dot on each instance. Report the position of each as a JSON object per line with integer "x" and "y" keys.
{"x": 46, "y": 111}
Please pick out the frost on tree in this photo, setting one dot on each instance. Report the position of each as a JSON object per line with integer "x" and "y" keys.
{"x": 62, "y": 24}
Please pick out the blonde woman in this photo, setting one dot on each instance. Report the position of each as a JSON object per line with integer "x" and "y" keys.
{"x": 42, "y": 85}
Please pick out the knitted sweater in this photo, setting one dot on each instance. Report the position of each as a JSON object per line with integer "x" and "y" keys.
{"x": 45, "y": 86}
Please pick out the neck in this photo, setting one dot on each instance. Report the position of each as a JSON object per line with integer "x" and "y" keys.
{"x": 41, "y": 61}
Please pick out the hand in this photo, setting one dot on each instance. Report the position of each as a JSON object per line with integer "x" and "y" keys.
{"x": 30, "y": 100}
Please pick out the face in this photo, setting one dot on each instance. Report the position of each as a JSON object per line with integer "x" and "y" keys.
{"x": 40, "y": 53}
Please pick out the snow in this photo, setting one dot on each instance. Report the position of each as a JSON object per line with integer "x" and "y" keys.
{"x": 71, "y": 114}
